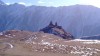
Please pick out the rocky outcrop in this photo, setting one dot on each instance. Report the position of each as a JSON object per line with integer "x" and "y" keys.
{"x": 57, "y": 30}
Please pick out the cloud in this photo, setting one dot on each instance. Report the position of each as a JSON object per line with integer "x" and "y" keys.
{"x": 51, "y": 2}
{"x": 90, "y": 2}
{"x": 8, "y": 3}
{"x": 18, "y": 3}
{"x": 41, "y": 2}
{"x": 26, "y": 4}
{"x": 22, "y": 3}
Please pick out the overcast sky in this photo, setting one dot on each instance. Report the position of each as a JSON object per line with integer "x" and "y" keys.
{"x": 54, "y": 2}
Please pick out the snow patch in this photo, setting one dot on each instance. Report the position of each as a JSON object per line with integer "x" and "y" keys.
{"x": 46, "y": 43}
{"x": 92, "y": 42}
{"x": 87, "y": 41}
{"x": 1, "y": 33}
{"x": 83, "y": 51}
{"x": 11, "y": 46}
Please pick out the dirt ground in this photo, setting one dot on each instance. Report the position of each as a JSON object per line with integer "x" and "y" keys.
{"x": 17, "y": 43}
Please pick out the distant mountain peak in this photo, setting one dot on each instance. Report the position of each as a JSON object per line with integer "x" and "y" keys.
{"x": 2, "y": 3}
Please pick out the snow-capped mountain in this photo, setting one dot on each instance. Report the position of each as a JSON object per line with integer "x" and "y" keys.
{"x": 79, "y": 20}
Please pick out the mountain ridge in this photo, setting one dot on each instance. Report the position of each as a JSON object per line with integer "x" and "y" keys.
{"x": 80, "y": 20}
